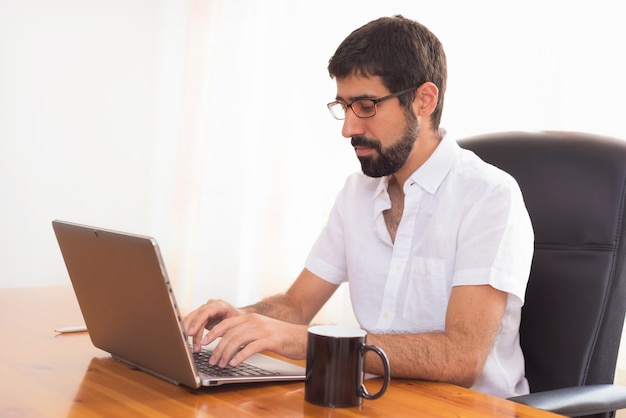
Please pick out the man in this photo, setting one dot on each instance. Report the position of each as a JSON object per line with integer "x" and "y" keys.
{"x": 435, "y": 243}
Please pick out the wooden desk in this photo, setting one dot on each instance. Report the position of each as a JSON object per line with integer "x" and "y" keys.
{"x": 50, "y": 375}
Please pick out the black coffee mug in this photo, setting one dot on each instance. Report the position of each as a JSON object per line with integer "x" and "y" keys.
{"x": 334, "y": 366}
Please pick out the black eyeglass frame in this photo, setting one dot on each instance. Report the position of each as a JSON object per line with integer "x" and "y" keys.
{"x": 374, "y": 102}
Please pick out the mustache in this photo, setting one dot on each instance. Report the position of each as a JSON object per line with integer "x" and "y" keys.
{"x": 361, "y": 141}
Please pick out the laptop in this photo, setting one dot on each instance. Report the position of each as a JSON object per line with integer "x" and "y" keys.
{"x": 130, "y": 310}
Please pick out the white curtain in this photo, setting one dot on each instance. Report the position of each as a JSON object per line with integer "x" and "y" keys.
{"x": 260, "y": 160}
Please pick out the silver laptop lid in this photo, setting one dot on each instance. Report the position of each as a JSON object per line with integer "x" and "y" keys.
{"x": 130, "y": 310}
{"x": 126, "y": 299}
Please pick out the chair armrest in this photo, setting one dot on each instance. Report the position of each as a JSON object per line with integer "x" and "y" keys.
{"x": 577, "y": 401}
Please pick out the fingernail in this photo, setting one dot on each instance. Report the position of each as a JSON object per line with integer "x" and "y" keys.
{"x": 212, "y": 361}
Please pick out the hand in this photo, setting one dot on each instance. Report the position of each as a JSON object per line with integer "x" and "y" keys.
{"x": 250, "y": 333}
{"x": 206, "y": 317}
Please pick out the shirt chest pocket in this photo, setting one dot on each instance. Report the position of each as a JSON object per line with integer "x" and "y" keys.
{"x": 427, "y": 294}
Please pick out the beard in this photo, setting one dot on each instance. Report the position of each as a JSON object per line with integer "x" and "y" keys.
{"x": 387, "y": 161}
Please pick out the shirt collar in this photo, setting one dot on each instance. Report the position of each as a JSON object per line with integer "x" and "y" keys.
{"x": 431, "y": 174}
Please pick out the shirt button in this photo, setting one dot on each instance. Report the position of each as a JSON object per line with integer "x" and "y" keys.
{"x": 386, "y": 315}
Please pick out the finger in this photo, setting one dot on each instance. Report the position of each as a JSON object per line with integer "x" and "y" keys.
{"x": 212, "y": 313}
{"x": 187, "y": 320}
{"x": 191, "y": 330}
{"x": 196, "y": 321}
{"x": 235, "y": 333}
{"x": 220, "y": 355}
{"x": 196, "y": 332}
{"x": 213, "y": 322}
{"x": 244, "y": 352}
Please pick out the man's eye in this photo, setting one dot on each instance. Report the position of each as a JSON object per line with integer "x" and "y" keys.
{"x": 364, "y": 106}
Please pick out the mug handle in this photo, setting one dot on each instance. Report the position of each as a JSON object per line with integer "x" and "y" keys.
{"x": 386, "y": 375}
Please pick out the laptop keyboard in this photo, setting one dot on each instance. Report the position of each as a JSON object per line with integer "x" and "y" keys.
{"x": 243, "y": 370}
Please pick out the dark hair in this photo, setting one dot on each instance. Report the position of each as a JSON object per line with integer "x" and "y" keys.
{"x": 402, "y": 52}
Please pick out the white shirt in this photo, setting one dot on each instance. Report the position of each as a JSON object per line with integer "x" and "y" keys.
{"x": 464, "y": 223}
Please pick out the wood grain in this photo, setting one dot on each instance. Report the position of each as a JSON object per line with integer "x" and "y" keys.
{"x": 49, "y": 375}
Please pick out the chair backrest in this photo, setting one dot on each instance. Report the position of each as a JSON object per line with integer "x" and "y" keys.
{"x": 574, "y": 186}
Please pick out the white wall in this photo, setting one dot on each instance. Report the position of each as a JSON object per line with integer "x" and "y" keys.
{"x": 85, "y": 94}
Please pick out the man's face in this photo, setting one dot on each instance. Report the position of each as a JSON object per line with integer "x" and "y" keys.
{"x": 383, "y": 142}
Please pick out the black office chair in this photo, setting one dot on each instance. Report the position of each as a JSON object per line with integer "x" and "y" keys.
{"x": 574, "y": 186}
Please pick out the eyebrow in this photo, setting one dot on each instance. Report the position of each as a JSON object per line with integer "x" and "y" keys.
{"x": 355, "y": 98}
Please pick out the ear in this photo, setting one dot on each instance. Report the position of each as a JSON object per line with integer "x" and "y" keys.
{"x": 426, "y": 99}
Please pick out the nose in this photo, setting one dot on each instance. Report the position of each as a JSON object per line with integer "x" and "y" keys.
{"x": 352, "y": 125}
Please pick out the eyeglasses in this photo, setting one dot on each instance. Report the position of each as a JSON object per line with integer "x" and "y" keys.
{"x": 362, "y": 108}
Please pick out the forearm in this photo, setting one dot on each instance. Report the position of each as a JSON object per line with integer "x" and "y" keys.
{"x": 430, "y": 356}
{"x": 457, "y": 354}
{"x": 300, "y": 303}
{"x": 280, "y": 307}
